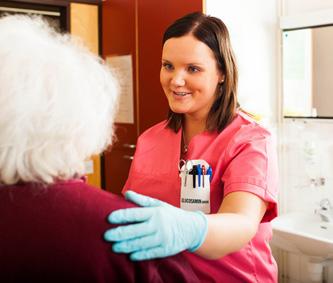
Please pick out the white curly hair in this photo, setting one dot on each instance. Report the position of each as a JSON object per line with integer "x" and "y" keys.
{"x": 57, "y": 101}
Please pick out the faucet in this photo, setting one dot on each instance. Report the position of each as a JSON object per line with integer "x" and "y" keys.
{"x": 325, "y": 210}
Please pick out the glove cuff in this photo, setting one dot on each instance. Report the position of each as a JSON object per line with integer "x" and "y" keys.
{"x": 202, "y": 230}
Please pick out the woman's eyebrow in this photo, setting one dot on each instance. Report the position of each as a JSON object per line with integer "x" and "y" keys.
{"x": 188, "y": 64}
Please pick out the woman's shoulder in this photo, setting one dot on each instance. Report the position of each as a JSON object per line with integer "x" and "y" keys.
{"x": 248, "y": 123}
{"x": 88, "y": 195}
{"x": 244, "y": 128}
{"x": 159, "y": 130}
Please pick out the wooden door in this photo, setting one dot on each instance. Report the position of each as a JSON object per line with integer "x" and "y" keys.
{"x": 84, "y": 24}
{"x": 119, "y": 38}
{"x": 136, "y": 27}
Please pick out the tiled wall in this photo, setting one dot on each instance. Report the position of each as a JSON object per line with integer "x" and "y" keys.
{"x": 306, "y": 169}
{"x": 306, "y": 163}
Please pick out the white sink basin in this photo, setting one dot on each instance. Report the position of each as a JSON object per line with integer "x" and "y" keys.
{"x": 303, "y": 233}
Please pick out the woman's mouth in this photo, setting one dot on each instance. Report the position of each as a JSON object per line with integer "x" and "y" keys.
{"x": 181, "y": 94}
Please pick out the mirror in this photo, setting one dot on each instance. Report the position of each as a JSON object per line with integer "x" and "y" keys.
{"x": 307, "y": 67}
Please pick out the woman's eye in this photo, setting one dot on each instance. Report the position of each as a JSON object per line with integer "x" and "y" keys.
{"x": 193, "y": 69}
{"x": 167, "y": 66}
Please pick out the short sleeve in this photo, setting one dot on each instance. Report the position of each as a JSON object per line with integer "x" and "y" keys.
{"x": 251, "y": 159}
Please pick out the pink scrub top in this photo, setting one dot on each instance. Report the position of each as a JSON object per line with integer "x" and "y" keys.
{"x": 243, "y": 158}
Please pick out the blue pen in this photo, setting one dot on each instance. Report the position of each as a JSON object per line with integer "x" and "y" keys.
{"x": 210, "y": 173}
{"x": 199, "y": 171}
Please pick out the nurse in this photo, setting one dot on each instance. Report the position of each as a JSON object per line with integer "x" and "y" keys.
{"x": 206, "y": 178}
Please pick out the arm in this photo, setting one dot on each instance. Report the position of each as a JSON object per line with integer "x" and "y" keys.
{"x": 233, "y": 226}
{"x": 159, "y": 229}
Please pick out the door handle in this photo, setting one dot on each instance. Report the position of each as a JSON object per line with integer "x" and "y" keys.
{"x": 128, "y": 157}
{"x": 127, "y": 145}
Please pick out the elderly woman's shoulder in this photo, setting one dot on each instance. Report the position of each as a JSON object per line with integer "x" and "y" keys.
{"x": 88, "y": 195}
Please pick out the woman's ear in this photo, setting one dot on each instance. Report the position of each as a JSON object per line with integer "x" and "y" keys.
{"x": 221, "y": 78}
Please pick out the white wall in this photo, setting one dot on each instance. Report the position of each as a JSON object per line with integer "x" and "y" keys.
{"x": 308, "y": 154}
{"x": 313, "y": 131}
{"x": 291, "y": 7}
{"x": 253, "y": 27}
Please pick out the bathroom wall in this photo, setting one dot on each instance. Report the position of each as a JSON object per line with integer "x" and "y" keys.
{"x": 306, "y": 164}
{"x": 306, "y": 171}
{"x": 292, "y": 7}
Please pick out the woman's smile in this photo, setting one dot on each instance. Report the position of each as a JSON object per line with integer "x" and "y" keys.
{"x": 181, "y": 94}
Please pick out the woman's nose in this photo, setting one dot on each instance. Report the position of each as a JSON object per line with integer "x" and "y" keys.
{"x": 178, "y": 79}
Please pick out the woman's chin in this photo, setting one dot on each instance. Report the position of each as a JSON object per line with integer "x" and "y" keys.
{"x": 178, "y": 110}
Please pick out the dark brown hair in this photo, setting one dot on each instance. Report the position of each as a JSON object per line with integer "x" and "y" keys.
{"x": 213, "y": 32}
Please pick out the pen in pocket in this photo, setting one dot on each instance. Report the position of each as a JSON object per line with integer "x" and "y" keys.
{"x": 210, "y": 173}
{"x": 194, "y": 172}
{"x": 203, "y": 169}
{"x": 199, "y": 171}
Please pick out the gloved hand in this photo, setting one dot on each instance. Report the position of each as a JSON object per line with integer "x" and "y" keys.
{"x": 158, "y": 230}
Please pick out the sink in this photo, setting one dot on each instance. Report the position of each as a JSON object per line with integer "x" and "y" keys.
{"x": 304, "y": 233}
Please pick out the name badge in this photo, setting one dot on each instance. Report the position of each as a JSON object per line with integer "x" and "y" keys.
{"x": 195, "y": 177}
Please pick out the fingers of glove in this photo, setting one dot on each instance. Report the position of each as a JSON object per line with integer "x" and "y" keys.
{"x": 128, "y": 232}
{"x": 158, "y": 252}
{"x": 142, "y": 200}
{"x": 136, "y": 244}
{"x": 128, "y": 215}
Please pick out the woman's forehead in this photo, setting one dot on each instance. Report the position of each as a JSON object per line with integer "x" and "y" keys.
{"x": 186, "y": 49}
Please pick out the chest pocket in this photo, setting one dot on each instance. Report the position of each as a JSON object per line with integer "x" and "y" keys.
{"x": 195, "y": 178}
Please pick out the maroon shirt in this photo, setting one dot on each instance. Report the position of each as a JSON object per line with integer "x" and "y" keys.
{"x": 55, "y": 234}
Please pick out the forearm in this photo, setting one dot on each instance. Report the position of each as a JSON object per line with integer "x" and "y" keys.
{"x": 216, "y": 235}
{"x": 227, "y": 232}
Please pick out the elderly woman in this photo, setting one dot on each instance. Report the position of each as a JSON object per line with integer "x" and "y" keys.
{"x": 57, "y": 107}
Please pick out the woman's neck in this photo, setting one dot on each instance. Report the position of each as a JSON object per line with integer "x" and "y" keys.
{"x": 193, "y": 127}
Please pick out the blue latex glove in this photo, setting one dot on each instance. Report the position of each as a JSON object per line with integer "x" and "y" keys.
{"x": 158, "y": 229}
